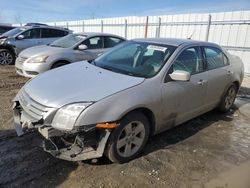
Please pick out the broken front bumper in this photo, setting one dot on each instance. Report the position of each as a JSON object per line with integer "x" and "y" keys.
{"x": 77, "y": 146}
{"x": 82, "y": 144}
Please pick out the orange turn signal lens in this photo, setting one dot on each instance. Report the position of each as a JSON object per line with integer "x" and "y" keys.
{"x": 107, "y": 125}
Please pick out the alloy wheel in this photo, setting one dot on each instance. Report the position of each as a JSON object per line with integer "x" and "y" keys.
{"x": 229, "y": 100}
{"x": 5, "y": 58}
{"x": 131, "y": 139}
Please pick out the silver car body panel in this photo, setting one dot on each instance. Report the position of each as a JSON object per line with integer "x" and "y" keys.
{"x": 79, "y": 86}
{"x": 27, "y": 43}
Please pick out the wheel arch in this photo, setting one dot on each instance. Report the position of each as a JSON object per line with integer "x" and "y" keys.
{"x": 7, "y": 47}
{"x": 148, "y": 114}
{"x": 58, "y": 61}
{"x": 237, "y": 83}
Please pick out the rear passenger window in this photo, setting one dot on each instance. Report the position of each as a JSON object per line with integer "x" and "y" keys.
{"x": 53, "y": 33}
{"x": 112, "y": 41}
{"x": 189, "y": 60}
{"x": 215, "y": 58}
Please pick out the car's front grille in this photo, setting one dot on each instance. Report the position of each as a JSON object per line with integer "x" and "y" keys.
{"x": 21, "y": 59}
{"x": 31, "y": 108}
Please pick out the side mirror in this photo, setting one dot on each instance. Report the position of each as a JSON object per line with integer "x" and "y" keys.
{"x": 82, "y": 47}
{"x": 20, "y": 37}
{"x": 180, "y": 75}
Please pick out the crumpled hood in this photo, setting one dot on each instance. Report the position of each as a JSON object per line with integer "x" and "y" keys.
{"x": 40, "y": 50}
{"x": 77, "y": 82}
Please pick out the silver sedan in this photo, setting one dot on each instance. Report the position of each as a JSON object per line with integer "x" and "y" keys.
{"x": 69, "y": 49}
{"x": 114, "y": 104}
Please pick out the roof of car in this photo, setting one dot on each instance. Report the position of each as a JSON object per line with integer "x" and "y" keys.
{"x": 44, "y": 26}
{"x": 91, "y": 34}
{"x": 175, "y": 42}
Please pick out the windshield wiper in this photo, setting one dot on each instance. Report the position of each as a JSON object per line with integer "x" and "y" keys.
{"x": 121, "y": 71}
{"x": 107, "y": 68}
{"x": 92, "y": 62}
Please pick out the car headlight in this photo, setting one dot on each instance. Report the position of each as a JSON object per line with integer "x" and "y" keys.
{"x": 38, "y": 59}
{"x": 66, "y": 116}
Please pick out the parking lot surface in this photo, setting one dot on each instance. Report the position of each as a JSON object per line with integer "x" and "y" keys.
{"x": 212, "y": 150}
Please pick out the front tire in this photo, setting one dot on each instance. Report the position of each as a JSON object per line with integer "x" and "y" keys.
{"x": 228, "y": 99}
{"x": 128, "y": 140}
{"x": 7, "y": 57}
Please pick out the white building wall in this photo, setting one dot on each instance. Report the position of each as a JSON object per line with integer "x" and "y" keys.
{"x": 229, "y": 29}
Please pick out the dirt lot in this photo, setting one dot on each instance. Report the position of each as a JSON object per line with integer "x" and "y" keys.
{"x": 210, "y": 151}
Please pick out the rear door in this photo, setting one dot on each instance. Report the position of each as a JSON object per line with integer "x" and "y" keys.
{"x": 217, "y": 75}
{"x": 183, "y": 100}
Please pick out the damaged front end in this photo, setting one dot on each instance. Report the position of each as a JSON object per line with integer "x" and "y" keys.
{"x": 80, "y": 143}
{"x": 75, "y": 146}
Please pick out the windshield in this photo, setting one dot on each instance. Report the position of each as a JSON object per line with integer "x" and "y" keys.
{"x": 68, "y": 41}
{"x": 13, "y": 32}
{"x": 136, "y": 58}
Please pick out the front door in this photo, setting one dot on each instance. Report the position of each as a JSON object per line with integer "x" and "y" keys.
{"x": 31, "y": 38}
{"x": 183, "y": 100}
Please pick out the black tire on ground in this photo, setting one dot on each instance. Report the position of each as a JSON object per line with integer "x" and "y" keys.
{"x": 58, "y": 64}
{"x": 7, "y": 57}
{"x": 228, "y": 99}
{"x": 129, "y": 139}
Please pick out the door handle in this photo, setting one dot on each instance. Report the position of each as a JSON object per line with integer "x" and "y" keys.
{"x": 201, "y": 82}
{"x": 229, "y": 72}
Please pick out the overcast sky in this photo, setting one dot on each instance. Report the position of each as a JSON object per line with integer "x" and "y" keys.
{"x": 15, "y": 11}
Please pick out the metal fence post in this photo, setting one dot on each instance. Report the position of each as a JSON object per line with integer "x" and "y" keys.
{"x": 125, "y": 28}
{"x": 146, "y": 28}
{"x": 67, "y": 25}
{"x": 102, "y": 26}
{"x": 208, "y": 26}
{"x": 82, "y": 26}
{"x": 55, "y": 23}
{"x": 158, "y": 30}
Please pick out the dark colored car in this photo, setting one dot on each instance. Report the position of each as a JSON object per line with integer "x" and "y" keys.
{"x": 5, "y": 28}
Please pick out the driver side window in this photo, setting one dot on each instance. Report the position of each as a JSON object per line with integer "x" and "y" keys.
{"x": 189, "y": 60}
{"x": 31, "y": 34}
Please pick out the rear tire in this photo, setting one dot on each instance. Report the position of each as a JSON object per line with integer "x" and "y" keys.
{"x": 129, "y": 139}
{"x": 58, "y": 64}
{"x": 7, "y": 57}
{"x": 228, "y": 99}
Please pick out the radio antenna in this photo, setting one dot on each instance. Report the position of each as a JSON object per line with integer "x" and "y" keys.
{"x": 190, "y": 37}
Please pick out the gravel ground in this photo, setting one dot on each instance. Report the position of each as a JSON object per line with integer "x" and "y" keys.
{"x": 212, "y": 150}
